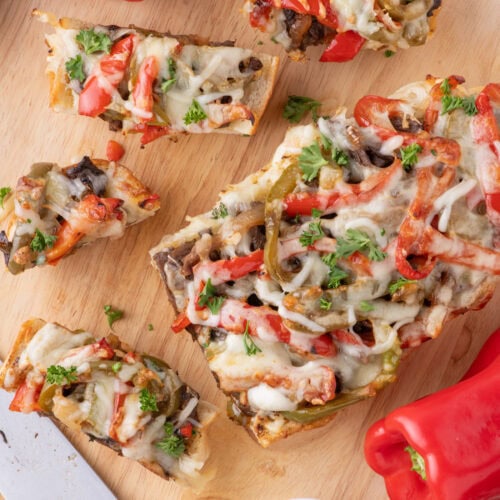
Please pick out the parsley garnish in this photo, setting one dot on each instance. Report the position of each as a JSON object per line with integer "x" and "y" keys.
{"x": 74, "y": 68}
{"x": 220, "y": 211}
{"x": 297, "y": 106}
{"x": 409, "y": 156}
{"x": 325, "y": 142}
{"x": 366, "y": 306}
{"x": 355, "y": 241}
{"x": 315, "y": 233}
{"x": 251, "y": 347}
{"x": 147, "y": 401}
{"x": 59, "y": 375}
{"x": 445, "y": 86}
{"x": 335, "y": 276}
{"x": 167, "y": 84}
{"x": 94, "y": 42}
{"x": 112, "y": 314}
{"x": 337, "y": 155}
{"x": 316, "y": 213}
{"x": 340, "y": 157}
{"x": 195, "y": 113}
{"x": 335, "y": 273}
{"x": 389, "y": 53}
{"x": 209, "y": 298}
{"x": 4, "y": 191}
{"x": 116, "y": 367}
{"x": 469, "y": 105}
{"x": 310, "y": 161}
{"x": 434, "y": 152}
{"x": 417, "y": 461}
{"x": 150, "y": 327}
{"x": 171, "y": 444}
{"x": 325, "y": 304}
{"x": 450, "y": 102}
{"x": 41, "y": 241}
{"x": 396, "y": 285}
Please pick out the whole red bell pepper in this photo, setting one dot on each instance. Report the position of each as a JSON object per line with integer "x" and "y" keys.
{"x": 445, "y": 446}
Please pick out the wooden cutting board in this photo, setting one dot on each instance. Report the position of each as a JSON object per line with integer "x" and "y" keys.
{"x": 325, "y": 463}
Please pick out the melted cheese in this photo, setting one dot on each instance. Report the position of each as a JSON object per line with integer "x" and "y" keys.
{"x": 49, "y": 345}
{"x": 263, "y": 397}
{"x": 134, "y": 418}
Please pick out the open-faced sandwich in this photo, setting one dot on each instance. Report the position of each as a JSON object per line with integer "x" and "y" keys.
{"x": 53, "y": 210}
{"x": 154, "y": 83}
{"x": 360, "y": 239}
{"x": 133, "y": 403}
{"x": 344, "y": 26}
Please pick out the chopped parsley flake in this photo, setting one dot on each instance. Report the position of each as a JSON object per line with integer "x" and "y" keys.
{"x": 335, "y": 273}
{"x": 310, "y": 162}
{"x": 325, "y": 304}
{"x": 389, "y": 53}
{"x": 147, "y": 401}
{"x": 171, "y": 444}
{"x": 469, "y": 105}
{"x": 41, "y": 241}
{"x": 396, "y": 285}
{"x": 297, "y": 106}
{"x": 195, "y": 113}
{"x": 340, "y": 157}
{"x": 94, "y": 42}
{"x": 59, "y": 375}
{"x": 116, "y": 367}
{"x": 150, "y": 327}
{"x": 220, "y": 211}
{"x": 445, "y": 86}
{"x": 358, "y": 241}
{"x": 335, "y": 276}
{"x": 209, "y": 298}
{"x": 4, "y": 192}
{"x": 409, "y": 156}
{"x": 366, "y": 306}
{"x": 74, "y": 68}
{"x": 325, "y": 142}
{"x": 112, "y": 314}
{"x": 316, "y": 213}
{"x": 450, "y": 102}
{"x": 314, "y": 233}
{"x": 168, "y": 84}
{"x": 251, "y": 347}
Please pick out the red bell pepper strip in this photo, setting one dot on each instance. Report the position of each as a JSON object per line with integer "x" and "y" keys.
{"x": 150, "y": 132}
{"x": 302, "y": 203}
{"x": 143, "y": 90}
{"x": 485, "y": 131}
{"x": 181, "y": 322}
{"x": 26, "y": 398}
{"x": 344, "y": 47}
{"x": 456, "y": 433}
{"x": 97, "y": 93}
{"x": 222, "y": 270}
{"x": 186, "y": 430}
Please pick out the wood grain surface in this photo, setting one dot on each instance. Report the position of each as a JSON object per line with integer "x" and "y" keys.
{"x": 326, "y": 463}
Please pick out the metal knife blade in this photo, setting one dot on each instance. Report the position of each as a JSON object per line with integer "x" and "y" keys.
{"x": 37, "y": 461}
